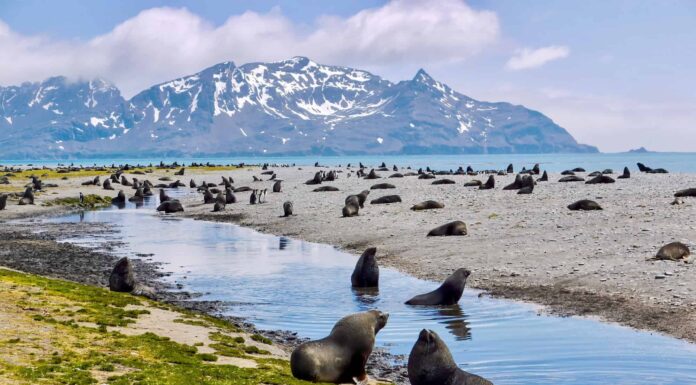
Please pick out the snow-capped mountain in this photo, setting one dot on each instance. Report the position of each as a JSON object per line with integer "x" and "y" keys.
{"x": 291, "y": 107}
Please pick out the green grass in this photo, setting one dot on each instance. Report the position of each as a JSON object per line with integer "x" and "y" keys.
{"x": 90, "y": 201}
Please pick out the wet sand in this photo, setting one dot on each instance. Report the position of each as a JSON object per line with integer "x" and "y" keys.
{"x": 527, "y": 247}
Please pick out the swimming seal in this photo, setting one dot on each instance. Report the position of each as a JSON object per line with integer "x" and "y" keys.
{"x": 122, "y": 278}
{"x": 386, "y": 199}
{"x": 287, "y": 209}
{"x": 427, "y": 205}
{"x": 584, "y": 204}
{"x": 449, "y": 229}
{"x": 673, "y": 252}
{"x": 170, "y": 206}
{"x": 340, "y": 357}
{"x": 448, "y": 293}
{"x": 366, "y": 272}
{"x": 431, "y": 363}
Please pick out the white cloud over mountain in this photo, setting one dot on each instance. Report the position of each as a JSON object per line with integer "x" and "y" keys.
{"x": 528, "y": 58}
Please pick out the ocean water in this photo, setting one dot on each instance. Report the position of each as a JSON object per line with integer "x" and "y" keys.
{"x": 674, "y": 162}
{"x": 283, "y": 283}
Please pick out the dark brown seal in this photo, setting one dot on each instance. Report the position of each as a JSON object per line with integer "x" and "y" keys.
{"x": 122, "y": 278}
{"x": 584, "y": 204}
{"x": 673, "y": 252}
{"x": 366, "y": 272}
{"x": 427, "y": 205}
{"x": 452, "y": 228}
{"x": 448, "y": 293}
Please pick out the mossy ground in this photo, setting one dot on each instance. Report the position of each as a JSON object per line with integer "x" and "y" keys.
{"x": 90, "y": 201}
{"x": 59, "y": 332}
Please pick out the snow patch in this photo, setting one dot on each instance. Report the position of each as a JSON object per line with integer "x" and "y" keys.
{"x": 243, "y": 132}
{"x": 380, "y": 139}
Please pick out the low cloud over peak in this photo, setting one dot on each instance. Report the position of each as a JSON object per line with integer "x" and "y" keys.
{"x": 528, "y": 58}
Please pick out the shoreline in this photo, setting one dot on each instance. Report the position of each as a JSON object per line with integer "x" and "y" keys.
{"x": 549, "y": 256}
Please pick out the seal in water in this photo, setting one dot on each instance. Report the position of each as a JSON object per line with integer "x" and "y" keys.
{"x": 626, "y": 174}
{"x": 325, "y": 188}
{"x": 122, "y": 278}
{"x": 490, "y": 184}
{"x": 452, "y": 228}
{"x": 276, "y": 186}
{"x": 287, "y": 209}
{"x": 431, "y": 363}
{"x": 447, "y": 294}
{"x": 443, "y": 181}
{"x": 386, "y": 199}
{"x": 340, "y": 357}
{"x": 673, "y": 252}
{"x": 170, "y": 206}
{"x": 584, "y": 204}
{"x": 120, "y": 198}
{"x": 366, "y": 272}
{"x": 427, "y": 205}
{"x": 163, "y": 196}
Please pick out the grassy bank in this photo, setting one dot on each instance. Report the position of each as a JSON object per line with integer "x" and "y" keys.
{"x": 60, "y": 332}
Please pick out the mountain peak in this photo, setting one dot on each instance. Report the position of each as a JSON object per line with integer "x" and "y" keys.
{"x": 423, "y": 77}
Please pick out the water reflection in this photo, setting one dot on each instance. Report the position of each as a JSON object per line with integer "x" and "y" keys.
{"x": 366, "y": 297}
{"x": 454, "y": 319}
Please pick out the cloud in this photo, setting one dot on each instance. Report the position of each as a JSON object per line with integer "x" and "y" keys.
{"x": 528, "y": 58}
{"x": 159, "y": 44}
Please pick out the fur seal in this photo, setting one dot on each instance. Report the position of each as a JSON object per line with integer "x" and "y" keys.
{"x": 643, "y": 168}
{"x": 536, "y": 170}
{"x": 229, "y": 196}
{"x": 362, "y": 197}
{"x": 170, "y": 206}
{"x": 120, "y": 198}
{"x": 340, "y": 357}
{"x": 568, "y": 172}
{"x": 192, "y": 184}
{"x": 443, "y": 181}
{"x": 163, "y": 196}
{"x": 571, "y": 178}
{"x": 601, "y": 179}
{"x": 325, "y": 188}
{"x": 253, "y": 198}
{"x": 584, "y": 204}
{"x": 386, "y": 199}
{"x": 658, "y": 171}
{"x": 396, "y": 175}
{"x": 426, "y": 176}
{"x": 276, "y": 186}
{"x": 218, "y": 206}
{"x": 447, "y": 294}
{"x": 27, "y": 198}
{"x": 673, "y": 252}
{"x": 208, "y": 197}
{"x": 366, "y": 272}
{"x": 626, "y": 174}
{"x": 516, "y": 184}
{"x": 382, "y": 186}
{"x": 180, "y": 172}
{"x": 107, "y": 184}
{"x": 372, "y": 175}
{"x": 287, "y": 209}
{"x": 431, "y": 363}
{"x": 122, "y": 278}
{"x": 526, "y": 190}
{"x": 578, "y": 169}
{"x": 510, "y": 169}
{"x": 490, "y": 184}
{"x": 352, "y": 206}
{"x": 449, "y": 229}
{"x": 544, "y": 177}
{"x": 242, "y": 189}
{"x": 3, "y": 201}
{"x": 220, "y": 198}
{"x": 427, "y": 205}
{"x": 689, "y": 192}
{"x": 473, "y": 183}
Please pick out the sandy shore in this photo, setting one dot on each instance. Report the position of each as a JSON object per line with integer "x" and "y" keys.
{"x": 527, "y": 247}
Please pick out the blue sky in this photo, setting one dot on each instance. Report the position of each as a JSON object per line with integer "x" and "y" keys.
{"x": 616, "y": 74}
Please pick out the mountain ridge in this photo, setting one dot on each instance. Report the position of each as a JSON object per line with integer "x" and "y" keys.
{"x": 290, "y": 107}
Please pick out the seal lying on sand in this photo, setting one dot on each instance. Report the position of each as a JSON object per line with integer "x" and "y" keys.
{"x": 122, "y": 278}
{"x": 673, "y": 252}
{"x": 448, "y": 293}
{"x": 431, "y": 363}
{"x": 325, "y": 188}
{"x": 571, "y": 178}
{"x": 443, "y": 181}
{"x": 386, "y": 199}
{"x": 170, "y": 206}
{"x": 689, "y": 192}
{"x": 600, "y": 179}
{"x": 340, "y": 357}
{"x": 366, "y": 272}
{"x": 452, "y": 228}
{"x": 382, "y": 186}
{"x": 584, "y": 204}
{"x": 473, "y": 183}
{"x": 427, "y": 205}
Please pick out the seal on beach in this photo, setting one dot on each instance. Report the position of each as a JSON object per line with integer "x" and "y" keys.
{"x": 372, "y": 175}
{"x": 366, "y": 272}
{"x": 107, "y": 184}
{"x": 510, "y": 169}
{"x": 340, "y": 357}
{"x": 3, "y": 201}
{"x": 27, "y": 198}
{"x": 229, "y": 196}
{"x": 382, "y": 186}
{"x": 526, "y": 190}
{"x": 426, "y": 176}
{"x": 584, "y": 204}
{"x": 122, "y": 278}
{"x": 325, "y": 188}
{"x": 386, "y": 199}
{"x": 448, "y": 293}
{"x": 473, "y": 183}
{"x": 287, "y": 209}
{"x": 490, "y": 184}
{"x": 626, "y": 174}
{"x": 516, "y": 184}
{"x": 163, "y": 196}
{"x": 253, "y": 197}
{"x": 449, "y": 229}
{"x": 571, "y": 178}
{"x": 689, "y": 192}
{"x": 208, "y": 197}
{"x": 544, "y": 177}
{"x": 170, "y": 206}
{"x": 431, "y": 363}
{"x": 673, "y": 252}
{"x": 192, "y": 184}
{"x": 218, "y": 206}
{"x": 443, "y": 181}
{"x": 352, "y": 206}
{"x": 427, "y": 205}
{"x": 600, "y": 179}
{"x": 276, "y": 186}
{"x": 643, "y": 168}
{"x": 362, "y": 197}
